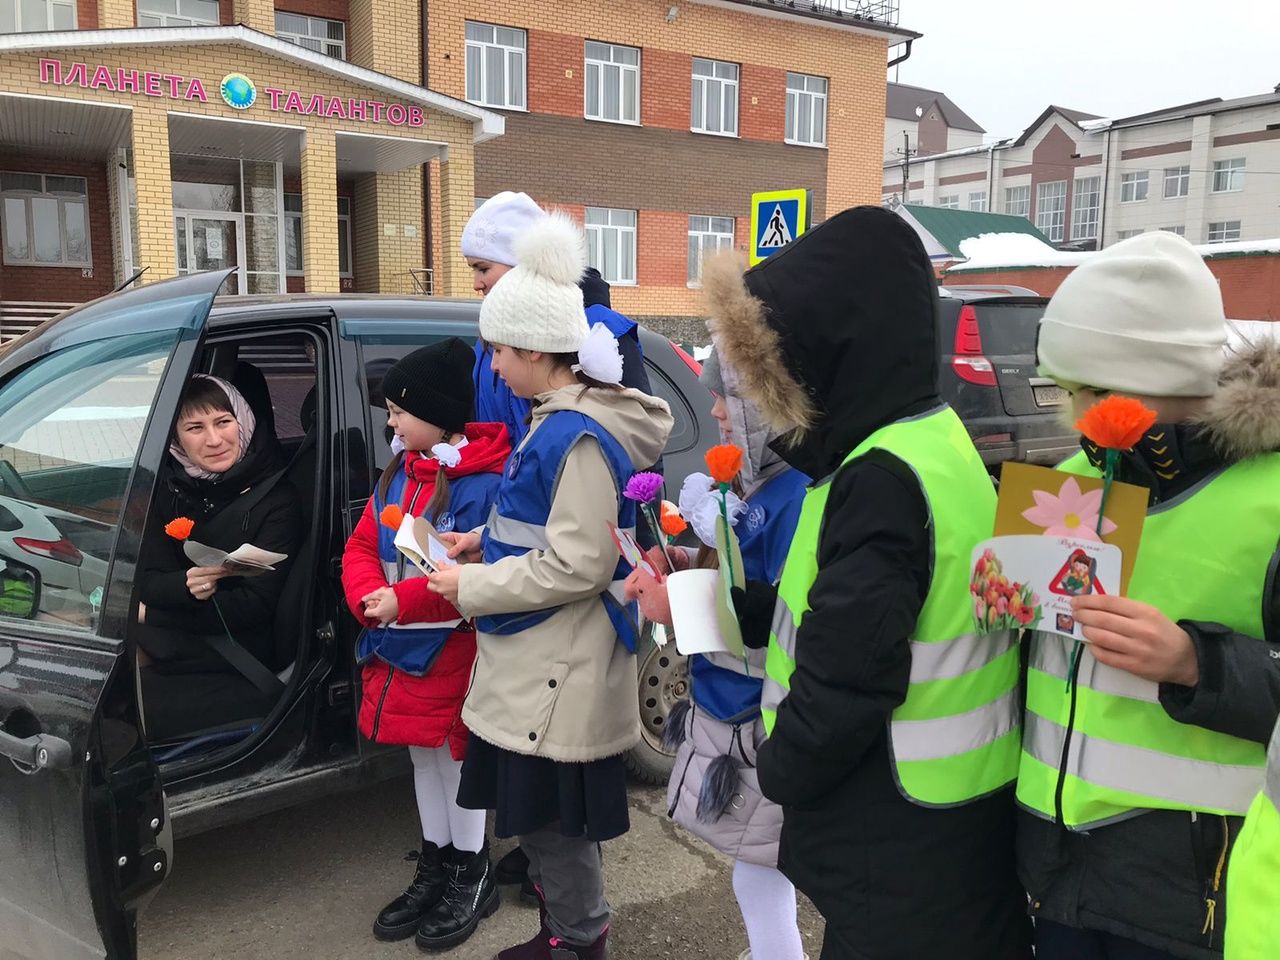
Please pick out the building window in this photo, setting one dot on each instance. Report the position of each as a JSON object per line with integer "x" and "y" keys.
{"x": 1222, "y": 231}
{"x": 31, "y": 16}
{"x": 496, "y": 75}
{"x": 950, "y": 201}
{"x": 1051, "y": 209}
{"x": 1085, "y": 206}
{"x": 978, "y": 200}
{"x": 1228, "y": 175}
{"x": 315, "y": 33}
{"x": 1126, "y": 234}
{"x": 45, "y": 220}
{"x": 707, "y": 235}
{"x": 177, "y": 13}
{"x": 1017, "y": 201}
{"x": 715, "y": 97}
{"x": 1177, "y": 182}
{"x": 293, "y": 235}
{"x": 611, "y": 243}
{"x": 613, "y": 83}
{"x": 1180, "y": 231}
{"x": 806, "y": 110}
{"x": 1133, "y": 186}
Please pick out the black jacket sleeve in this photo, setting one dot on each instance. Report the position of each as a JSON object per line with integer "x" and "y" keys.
{"x": 754, "y": 606}
{"x": 852, "y": 657}
{"x": 633, "y": 372}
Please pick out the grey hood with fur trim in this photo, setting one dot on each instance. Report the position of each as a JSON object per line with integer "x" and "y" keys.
{"x": 747, "y": 427}
{"x": 1242, "y": 419}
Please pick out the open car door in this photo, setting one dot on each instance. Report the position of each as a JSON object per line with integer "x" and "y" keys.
{"x": 86, "y": 406}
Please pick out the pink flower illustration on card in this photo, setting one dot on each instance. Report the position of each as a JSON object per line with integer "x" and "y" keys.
{"x": 1072, "y": 513}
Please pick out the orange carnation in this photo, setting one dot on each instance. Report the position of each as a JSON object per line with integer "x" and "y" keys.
{"x": 180, "y": 527}
{"x": 391, "y": 516}
{"x": 672, "y": 523}
{"x": 724, "y": 462}
{"x": 1116, "y": 423}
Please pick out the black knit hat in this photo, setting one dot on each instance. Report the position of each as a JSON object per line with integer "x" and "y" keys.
{"x": 434, "y": 384}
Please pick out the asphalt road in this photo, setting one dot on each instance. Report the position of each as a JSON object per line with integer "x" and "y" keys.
{"x": 305, "y": 884}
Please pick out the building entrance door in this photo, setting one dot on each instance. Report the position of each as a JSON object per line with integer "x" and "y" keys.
{"x": 211, "y": 240}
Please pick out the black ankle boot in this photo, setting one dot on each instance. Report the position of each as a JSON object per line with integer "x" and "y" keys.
{"x": 513, "y": 868}
{"x": 471, "y": 896}
{"x": 400, "y": 918}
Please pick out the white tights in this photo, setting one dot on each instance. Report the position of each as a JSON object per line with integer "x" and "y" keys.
{"x": 768, "y": 903}
{"x": 435, "y": 782}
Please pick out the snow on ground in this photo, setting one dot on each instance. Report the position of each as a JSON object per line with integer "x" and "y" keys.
{"x": 992, "y": 250}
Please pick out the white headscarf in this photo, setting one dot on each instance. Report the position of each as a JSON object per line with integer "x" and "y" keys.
{"x": 245, "y": 421}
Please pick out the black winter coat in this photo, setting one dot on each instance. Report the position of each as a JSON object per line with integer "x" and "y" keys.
{"x": 852, "y": 305}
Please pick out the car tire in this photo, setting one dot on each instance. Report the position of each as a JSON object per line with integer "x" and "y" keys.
{"x": 662, "y": 680}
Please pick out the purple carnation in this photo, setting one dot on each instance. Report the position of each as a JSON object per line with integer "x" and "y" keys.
{"x": 643, "y": 487}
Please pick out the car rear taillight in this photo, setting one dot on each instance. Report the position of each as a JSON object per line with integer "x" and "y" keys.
{"x": 691, "y": 363}
{"x": 62, "y": 550}
{"x": 968, "y": 363}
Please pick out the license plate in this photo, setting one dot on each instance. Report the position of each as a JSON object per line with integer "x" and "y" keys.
{"x": 1049, "y": 396}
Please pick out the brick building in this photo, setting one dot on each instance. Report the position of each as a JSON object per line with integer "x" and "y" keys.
{"x": 341, "y": 144}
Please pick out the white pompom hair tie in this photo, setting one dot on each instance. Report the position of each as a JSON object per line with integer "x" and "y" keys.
{"x": 598, "y": 357}
{"x": 447, "y": 454}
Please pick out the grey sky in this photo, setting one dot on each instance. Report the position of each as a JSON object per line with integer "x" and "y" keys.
{"x": 1004, "y": 61}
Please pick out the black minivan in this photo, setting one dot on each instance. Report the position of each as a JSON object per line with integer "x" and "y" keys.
{"x": 88, "y": 803}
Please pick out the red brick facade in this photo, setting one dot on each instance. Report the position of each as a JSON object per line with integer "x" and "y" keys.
{"x": 762, "y": 100}
{"x": 87, "y": 14}
{"x": 555, "y": 73}
{"x": 329, "y": 9}
{"x": 666, "y": 85}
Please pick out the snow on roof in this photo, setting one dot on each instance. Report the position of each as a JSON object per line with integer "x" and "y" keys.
{"x": 993, "y": 250}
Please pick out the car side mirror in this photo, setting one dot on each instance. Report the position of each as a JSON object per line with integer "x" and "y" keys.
{"x": 19, "y": 591}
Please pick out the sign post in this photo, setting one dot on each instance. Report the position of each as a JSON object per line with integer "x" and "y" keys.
{"x": 777, "y": 218}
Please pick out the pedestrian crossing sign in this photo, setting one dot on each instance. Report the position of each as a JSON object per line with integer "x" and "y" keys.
{"x": 777, "y": 218}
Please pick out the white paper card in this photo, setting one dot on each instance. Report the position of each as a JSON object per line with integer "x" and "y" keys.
{"x": 245, "y": 560}
{"x": 694, "y": 598}
{"x": 418, "y": 541}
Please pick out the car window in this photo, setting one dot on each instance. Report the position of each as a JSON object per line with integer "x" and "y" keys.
{"x": 288, "y": 366}
{"x": 684, "y": 434}
{"x": 1009, "y": 329}
{"x": 70, "y": 427}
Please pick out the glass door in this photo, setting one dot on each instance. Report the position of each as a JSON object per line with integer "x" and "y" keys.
{"x": 211, "y": 241}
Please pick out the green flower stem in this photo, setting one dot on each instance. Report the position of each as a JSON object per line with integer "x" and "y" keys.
{"x": 1108, "y": 475}
{"x": 656, "y": 530}
{"x": 724, "y": 518}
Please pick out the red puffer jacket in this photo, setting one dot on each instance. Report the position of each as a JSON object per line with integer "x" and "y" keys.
{"x": 398, "y": 707}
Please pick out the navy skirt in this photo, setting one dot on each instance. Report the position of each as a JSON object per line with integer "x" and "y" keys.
{"x": 528, "y": 793}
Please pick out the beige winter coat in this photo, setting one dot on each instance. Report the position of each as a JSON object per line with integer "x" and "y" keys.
{"x": 565, "y": 688}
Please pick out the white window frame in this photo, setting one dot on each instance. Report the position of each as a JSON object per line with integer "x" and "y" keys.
{"x": 178, "y": 19}
{"x": 1224, "y": 230}
{"x": 48, "y": 24}
{"x": 1177, "y": 182}
{"x": 1179, "y": 230}
{"x": 610, "y": 228}
{"x": 949, "y": 201}
{"x": 1140, "y": 182}
{"x": 1228, "y": 175}
{"x": 978, "y": 201}
{"x": 807, "y": 93}
{"x": 1021, "y": 206}
{"x": 1128, "y": 234}
{"x": 513, "y": 55}
{"x": 320, "y": 42}
{"x": 595, "y": 73}
{"x": 712, "y": 94}
{"x": 63, "y": 199}
{"x": 707, "y": 233}
{"x": 1051, "y": 218}
{"x": 1085, "y": 217}
{"x": 296, "y": 215}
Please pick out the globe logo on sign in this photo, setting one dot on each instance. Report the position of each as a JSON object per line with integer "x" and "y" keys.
{"x": 239, "y": 91}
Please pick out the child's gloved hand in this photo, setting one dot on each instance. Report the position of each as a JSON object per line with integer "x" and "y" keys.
{"x": 651, "y": 594}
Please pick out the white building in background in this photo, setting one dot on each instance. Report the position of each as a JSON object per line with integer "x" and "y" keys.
{"x": 939, "y": 125}
{"x": 1209, "y": 171}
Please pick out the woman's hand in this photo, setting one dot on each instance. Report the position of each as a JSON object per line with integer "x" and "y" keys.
{"x": 445, "y": 582}
{"x": 651, "y": 593}
{"x": 1138, "y": 639}
{"x": 203, "y": 581}
{"x": 381, "y": 605}
{"x": 463, "y": 547}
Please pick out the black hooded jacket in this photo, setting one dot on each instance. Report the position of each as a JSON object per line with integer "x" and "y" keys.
{"x": 843, "y": 321}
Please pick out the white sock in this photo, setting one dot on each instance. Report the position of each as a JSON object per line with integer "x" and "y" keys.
{"x": 435, "y": 782}
{"x": 768, "y": 903}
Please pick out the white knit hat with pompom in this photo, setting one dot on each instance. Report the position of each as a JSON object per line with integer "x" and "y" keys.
{"x": 537, "y": 305}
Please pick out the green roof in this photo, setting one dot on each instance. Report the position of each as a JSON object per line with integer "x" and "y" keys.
{"x": 949, "y": 227}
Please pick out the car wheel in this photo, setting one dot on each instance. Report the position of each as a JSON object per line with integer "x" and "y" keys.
{"x": 663, "y": 679}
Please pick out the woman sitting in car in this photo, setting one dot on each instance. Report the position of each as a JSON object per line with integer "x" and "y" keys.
{"x": 224, "y": 476}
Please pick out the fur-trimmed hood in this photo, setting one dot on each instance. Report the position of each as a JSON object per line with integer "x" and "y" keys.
{"x": 1242, "y": 419}
{"x": 834, "y": 336}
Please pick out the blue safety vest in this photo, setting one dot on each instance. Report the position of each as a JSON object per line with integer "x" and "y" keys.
{"x": 413, "y": 647}
{"x": 728, "y": 687}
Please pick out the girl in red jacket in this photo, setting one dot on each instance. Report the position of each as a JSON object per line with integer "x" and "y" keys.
{"x": 417, "y": 650}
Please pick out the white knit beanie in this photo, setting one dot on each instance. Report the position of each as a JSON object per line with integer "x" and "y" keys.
{"x": 1143, "y": 317}
{"x": 491, "y": 232}
{"x": 538, "y": 304}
